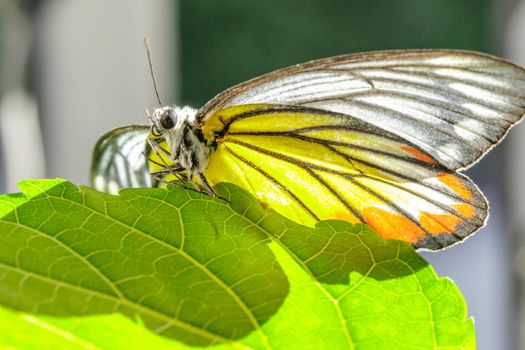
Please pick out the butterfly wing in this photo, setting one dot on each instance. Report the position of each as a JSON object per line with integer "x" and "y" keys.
{"x": 453, "y": 105}
{"x": 373, "y": 138}
{"x": 311, "y": 165}
{"x": 119, "y": 161}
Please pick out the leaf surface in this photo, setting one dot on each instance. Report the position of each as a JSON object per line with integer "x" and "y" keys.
{"x": 209, "y": 272}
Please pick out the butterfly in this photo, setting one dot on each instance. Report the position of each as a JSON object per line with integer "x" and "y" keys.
{"x": 376, "y": 138}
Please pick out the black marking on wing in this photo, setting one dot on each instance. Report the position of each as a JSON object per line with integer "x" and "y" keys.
{"x": 353, "y": 210}
{"x": 274, "y": 181}
{"x": 475, "y": 222}
{"x": 309, "y": 168}
{"x": 293, "y": 134}
{"x": 112, "y": 157}
{"x": 443, "y": 82}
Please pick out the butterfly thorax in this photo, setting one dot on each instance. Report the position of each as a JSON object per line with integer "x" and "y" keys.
{"x": 187, "y": 147}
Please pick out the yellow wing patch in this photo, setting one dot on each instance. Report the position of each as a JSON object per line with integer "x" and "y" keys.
{"x": 311, "y": 165}
{"x": 158, "y": 159}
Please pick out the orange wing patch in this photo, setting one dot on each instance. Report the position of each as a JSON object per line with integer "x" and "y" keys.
{"x": 457, "y": 186}
{"x": 393, "y": 226}
{"x": 418, "y": 154}
{"x": 439, "y": 223}
{"x": 464, "y": 209}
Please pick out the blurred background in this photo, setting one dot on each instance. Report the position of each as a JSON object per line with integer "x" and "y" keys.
{"x": 72, "y": 70}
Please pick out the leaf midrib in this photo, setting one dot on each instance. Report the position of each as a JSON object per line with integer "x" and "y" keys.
{"x": 133, "y": 305}
{"x": 196, "y": 263}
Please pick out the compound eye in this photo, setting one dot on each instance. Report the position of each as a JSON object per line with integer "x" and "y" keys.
{"x": 166, "y": 122}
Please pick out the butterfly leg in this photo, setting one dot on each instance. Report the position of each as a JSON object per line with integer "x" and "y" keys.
{"x": 152, "y": 160}
{"x": 206, "y": 186}
{"x": 173, "y": 171}
{"x": 155, "y": 146}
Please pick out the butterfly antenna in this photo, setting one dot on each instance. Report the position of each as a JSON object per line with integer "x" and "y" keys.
{"x": 148, "y": 52}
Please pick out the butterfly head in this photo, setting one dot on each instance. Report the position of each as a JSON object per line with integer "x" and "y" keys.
{"x": 169, "y": 121}
{"x": 176, "y": 125}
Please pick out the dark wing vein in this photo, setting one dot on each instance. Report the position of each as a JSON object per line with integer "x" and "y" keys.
{"x": 113, "y": 156}
{"x": 294, "y": 134}
{"x": 308, "y": 167}
{"x": 354, "y": 211}
{"x": 458, "y": 95}
{"x": 274, "y": 181}
{"x": 409, "y": 71}
{"x": 289, "y": 87}
{"x": 266, "y": 110}
{"x": 381, "y": 108}
{"x": 399, "y": 210}
{"x": 443, "y": 78}
{"x": 417, "y": 194}
{"x": 477, "y": 70}
{"x": 447, "y": 108}
{"x": 371, "y": 165}
{"x": 438, "y": 103}
{"x": 430, "y": 200}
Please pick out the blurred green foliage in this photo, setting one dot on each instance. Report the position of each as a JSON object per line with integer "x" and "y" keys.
{"x": 223, "y": 43}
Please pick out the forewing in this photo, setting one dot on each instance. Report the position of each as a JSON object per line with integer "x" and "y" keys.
{"x": 310, "y": 166}
{"x": 119, "y": 161}
{"x": 454, "y": 105}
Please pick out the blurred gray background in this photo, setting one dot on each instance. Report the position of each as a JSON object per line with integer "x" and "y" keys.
{"x": 71, "y": 70}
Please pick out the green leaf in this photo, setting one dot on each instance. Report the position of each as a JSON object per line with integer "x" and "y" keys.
{"x": 206, "y": 271}
{"x": 25, "y": 331}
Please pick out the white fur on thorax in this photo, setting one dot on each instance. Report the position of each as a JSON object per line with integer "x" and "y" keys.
{"x": 183, "y": 119}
